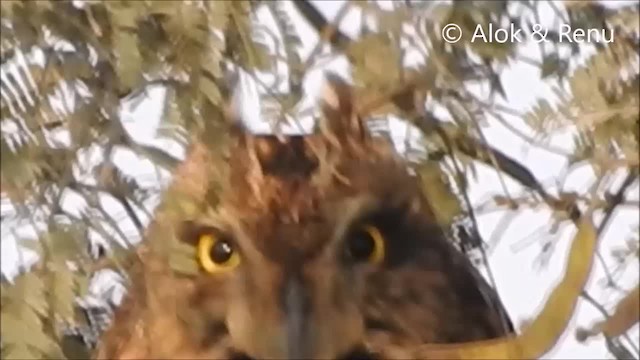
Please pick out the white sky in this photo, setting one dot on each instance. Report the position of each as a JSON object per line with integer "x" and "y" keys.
{"x": 523, "y": 284}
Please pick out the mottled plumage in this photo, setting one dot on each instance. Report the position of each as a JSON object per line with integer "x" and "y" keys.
{"x": 328, "y": 244}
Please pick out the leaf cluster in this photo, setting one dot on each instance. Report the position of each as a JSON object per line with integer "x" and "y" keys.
{"x": 71, "y": 68}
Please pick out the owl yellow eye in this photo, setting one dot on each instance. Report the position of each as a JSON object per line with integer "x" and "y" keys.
{"x": 215, "y": 254}
{"x": 367, "y": 244}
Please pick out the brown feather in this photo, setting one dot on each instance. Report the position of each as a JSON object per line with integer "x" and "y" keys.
{"x": 290, "y": 207}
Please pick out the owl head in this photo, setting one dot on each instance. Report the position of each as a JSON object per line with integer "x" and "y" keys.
{"x": 320, "y": 242}
{"x": 318, "y": 245}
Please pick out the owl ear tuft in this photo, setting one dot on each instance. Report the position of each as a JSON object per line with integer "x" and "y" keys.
{"x": 338, "y": 109}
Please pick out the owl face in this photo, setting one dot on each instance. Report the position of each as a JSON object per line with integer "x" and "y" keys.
{"x": 321, "y": 244}
{"x": 317, "y": 246}
{"x": 305, "y": 279}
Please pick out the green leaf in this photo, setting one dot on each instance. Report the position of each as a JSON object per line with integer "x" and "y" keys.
{"x": 29, "y": 288}
{"x": 7, "y": 7}
{"x": 210, "y": 89}
{"x": 169, "y": 7}
{"x": 65, "y": 242}
{"x": 125, "y": 47}
{"x": 263, "y": 59}
{"x": 211, "y": 61}
{"x": 218, "y": 13}
{"x": 62, "y": 291}
{"x": 26, "y": 334}
{"x": 393, "y": 20}
{"x": 82, "y": 285}
{"x": 444, "y": 204}
{"x": 20, "y": 352}
{"x": 376, "y": 59}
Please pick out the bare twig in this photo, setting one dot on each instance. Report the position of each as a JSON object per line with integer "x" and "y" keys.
{"x": 327, "y": 32}
{"x": 616, "y": 325}
{"x": 614, "y": 202}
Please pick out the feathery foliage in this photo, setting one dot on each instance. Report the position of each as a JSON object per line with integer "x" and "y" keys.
{"x": 71, "y": 68}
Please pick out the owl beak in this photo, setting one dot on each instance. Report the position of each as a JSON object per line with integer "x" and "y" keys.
{"x": 296, "y": 308}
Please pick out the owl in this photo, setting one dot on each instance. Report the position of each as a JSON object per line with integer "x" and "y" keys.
{"x": 318, "y": 246}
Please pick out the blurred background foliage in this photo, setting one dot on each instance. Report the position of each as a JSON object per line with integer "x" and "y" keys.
{"x": 70, "y": 67}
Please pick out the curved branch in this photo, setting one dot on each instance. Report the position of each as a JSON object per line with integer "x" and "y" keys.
{"x": 537, "y": 338}
{"x": 626, "y": 315}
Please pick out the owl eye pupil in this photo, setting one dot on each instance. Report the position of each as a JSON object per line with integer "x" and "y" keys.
{"x": 221, "y": 252}
{"x": 361, "y": 246}
{"x": 366, "y": 244}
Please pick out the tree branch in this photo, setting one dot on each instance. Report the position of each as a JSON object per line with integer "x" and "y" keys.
{"x": 328, "y": 33}
{"x": 626, "y": 315}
